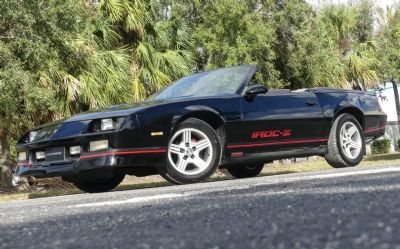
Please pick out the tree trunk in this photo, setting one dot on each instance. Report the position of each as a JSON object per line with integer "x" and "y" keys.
{"x": 6, "y": 164}
{"x": 396, "y": 98}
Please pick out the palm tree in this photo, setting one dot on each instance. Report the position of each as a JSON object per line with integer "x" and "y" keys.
{"x": 129, "y": 50}
{"x": 341, "y": 21}
{"x": 361, "y": 66}
{"x": 97, "y": 75}
{"x": 359, "y": 58}
{"x": 159, "y": 44}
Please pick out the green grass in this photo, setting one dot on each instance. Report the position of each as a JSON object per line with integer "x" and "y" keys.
{"x": 131, "y": 182}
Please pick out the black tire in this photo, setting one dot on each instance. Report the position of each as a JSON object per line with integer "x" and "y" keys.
{"x": 336, "y": 157}
{"x": 246, "y": 171}
{"x": 100, "y": 185}
{"x": 172, "y": 175}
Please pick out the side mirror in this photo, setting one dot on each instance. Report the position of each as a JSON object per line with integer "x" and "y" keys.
{"x": 253, "y": 91}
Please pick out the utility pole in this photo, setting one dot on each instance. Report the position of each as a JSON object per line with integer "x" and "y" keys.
{"x": 396, "y": 98}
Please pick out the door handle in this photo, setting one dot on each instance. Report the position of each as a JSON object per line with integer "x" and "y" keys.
{"x": 311, "y": 102}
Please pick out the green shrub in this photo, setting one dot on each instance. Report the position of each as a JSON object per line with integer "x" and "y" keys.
{"x": 381, "y": 146}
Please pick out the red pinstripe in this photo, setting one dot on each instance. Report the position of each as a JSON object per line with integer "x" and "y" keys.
{"x": 277, "y": 143}
{"x": 29, "y": 164}
{"x": 375, "y": 129}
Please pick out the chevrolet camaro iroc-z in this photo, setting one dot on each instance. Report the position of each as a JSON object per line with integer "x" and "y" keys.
{"x": 219, "y": 118}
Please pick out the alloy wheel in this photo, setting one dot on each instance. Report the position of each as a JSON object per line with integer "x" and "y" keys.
{"x": 350, "y": 140}
{"x": 190, "y": 151}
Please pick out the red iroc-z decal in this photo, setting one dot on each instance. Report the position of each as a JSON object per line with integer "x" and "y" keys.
{"x": 272, "y": 133}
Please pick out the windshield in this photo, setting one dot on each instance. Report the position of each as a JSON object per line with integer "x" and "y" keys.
{"x": 210, "y": 83}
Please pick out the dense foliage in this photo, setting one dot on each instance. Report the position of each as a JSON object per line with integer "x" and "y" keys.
{"x": 58, "y": 58}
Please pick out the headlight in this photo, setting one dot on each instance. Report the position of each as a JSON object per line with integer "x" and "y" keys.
{"x": 105, "y": 124}
{"x": 32, "y": 135}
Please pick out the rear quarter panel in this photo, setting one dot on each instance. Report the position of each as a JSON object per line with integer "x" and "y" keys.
{"x": 334, "y": 102}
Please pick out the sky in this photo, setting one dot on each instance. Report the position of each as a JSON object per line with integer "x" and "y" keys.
{"x": 380, "y": 3}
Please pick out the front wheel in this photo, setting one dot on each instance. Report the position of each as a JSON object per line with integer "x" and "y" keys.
{"x": 346, "y": 146}
{"x": 194, "y": 153}
{"x": 246, "y": 171}
{"x": 100, "y": 185}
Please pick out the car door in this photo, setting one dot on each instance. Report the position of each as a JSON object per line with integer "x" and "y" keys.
{"x": 279, "y": 120}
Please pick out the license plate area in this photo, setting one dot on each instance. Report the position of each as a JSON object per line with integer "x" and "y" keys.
{"x": 55, "y": 154}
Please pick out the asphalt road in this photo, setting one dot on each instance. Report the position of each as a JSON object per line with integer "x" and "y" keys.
{"x": 350, "y": 208}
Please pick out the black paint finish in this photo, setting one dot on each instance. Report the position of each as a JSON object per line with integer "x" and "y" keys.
{"x": 275, "y": 125}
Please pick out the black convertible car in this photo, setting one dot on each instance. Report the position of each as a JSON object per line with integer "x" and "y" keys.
{"x": 212, "y": 119}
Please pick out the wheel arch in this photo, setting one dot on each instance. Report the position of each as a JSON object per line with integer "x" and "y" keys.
{"x": 206, "y": 114}
{"x": 354, "y": 111}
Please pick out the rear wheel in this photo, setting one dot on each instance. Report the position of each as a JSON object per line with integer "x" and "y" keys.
{"x": 99, "y": 186}
{"x": 346, "y": 146}
{"x": 246, "y": 171}
{"x": 194, "y": 153}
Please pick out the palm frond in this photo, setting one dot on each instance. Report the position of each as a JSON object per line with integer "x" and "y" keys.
{"x": 114, "y": 9}
{"x": 136, "y": 15}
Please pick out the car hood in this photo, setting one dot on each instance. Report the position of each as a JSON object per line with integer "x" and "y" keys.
{"x": 114, "y": 111}
{"x": 108, "y": 112}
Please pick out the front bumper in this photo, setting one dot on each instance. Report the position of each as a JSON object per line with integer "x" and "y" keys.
{"x": 101, "y": 162}
{"x": 66, "y": 164}
{"x": 71, "y": 167}
{"x": 117, "y": 155}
